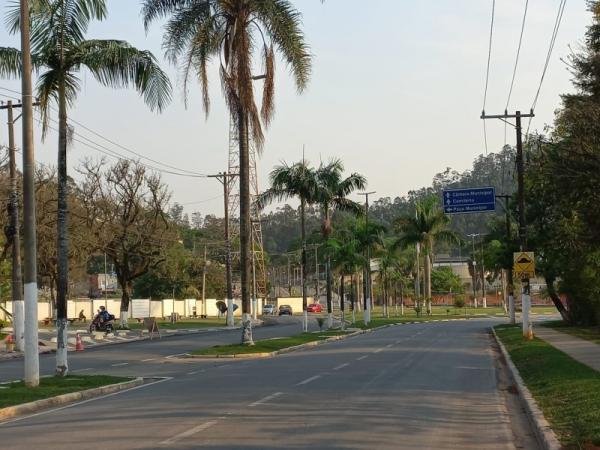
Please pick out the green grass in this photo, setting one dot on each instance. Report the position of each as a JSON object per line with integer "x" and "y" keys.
{"x": 567, "y": 391}
{"x": 3, "y": 335}
{"x": 268, "y": 345}
{"x": 16, "y": 393}
{"x": 587, "y": 333}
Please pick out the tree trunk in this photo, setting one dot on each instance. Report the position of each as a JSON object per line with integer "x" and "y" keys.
{"x": 303, "y": 265}
{"x": 428, "y": 281}
{"x": 127, "y": 287}
{"x": 401, "y": 299}
{"x": 566, "y": 316}
{"x": 62, "y": 248}
{"x": 245, "y": 229}
{"x": 342, "y": 306}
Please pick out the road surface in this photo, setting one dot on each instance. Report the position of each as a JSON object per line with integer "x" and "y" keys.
{"x": 427, "y": 386}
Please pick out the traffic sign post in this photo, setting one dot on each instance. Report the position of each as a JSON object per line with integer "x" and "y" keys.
{"x": 469, "y": 200}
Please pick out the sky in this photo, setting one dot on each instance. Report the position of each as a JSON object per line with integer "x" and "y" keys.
{"x": 396, "y": 92}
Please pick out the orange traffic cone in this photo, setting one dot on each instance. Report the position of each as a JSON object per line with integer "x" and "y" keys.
{"x": 10, "y": 343}
{"x": 79, "y": 344}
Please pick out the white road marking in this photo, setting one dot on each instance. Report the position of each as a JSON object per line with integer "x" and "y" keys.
{"x": 86, "y": 401}
{"x": 389, "y": 345}
{"x": 192, "y": 373}
{"x": 341, "y": 366}
{"x": 362, "y": 357}
{"x": 188, "y": 433}
{"x": 266, "y": 399}
{"x": 174, "y": 356}
{"x": 119, "y": 364}
{"x": 149, "y": 359}
{"x": 378, "y": 350}
{"x": 82, "y": 370}
{"x": 308, "y": 380}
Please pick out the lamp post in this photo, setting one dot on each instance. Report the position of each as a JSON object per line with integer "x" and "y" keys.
{"x": 473, "y": 236}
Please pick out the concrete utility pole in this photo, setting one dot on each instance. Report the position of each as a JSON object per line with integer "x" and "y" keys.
{"x": 483, "y": 293}
{"x": 32, "y": 359}
{"x": 224, "y": 178}
{"x": 204, "y": 283}
{"x": 473, "y": 236}
{"x": 368, "y": 290}
{"x": 525, "y": 298}
{"x": 509, "y": 274}
{"x": 13, "y": 233}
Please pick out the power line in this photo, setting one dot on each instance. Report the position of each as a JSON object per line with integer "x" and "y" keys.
{"x": 487, "y": 73}
{"x": 512, "y": 82}
{"x": 557, "y": 22}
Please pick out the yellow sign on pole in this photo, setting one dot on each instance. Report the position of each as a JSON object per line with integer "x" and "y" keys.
{"x": 524, "y": 265}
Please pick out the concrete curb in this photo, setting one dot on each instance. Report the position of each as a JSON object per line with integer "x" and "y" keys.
{"x": 32, "y": 407}
{"x": 544, "y": 433}
{"x": 277, "y": 352}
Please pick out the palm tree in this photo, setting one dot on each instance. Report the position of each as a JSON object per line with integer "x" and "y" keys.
{"x": 234, "y": 31}
{"x": 346, "y": 259}
{"x": 388, "y": 257}
{"x": 59, "y": 51}
{"x": 332, "y": 194}
{"x": 367, "y": 235}
{"x": 428, "y": 226}
{"x": 297, "y": 180}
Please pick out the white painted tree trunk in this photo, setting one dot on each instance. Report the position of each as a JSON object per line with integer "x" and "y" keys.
{"x": 305, "y": 321}
{"x": 32, "y": 356}
{"x": 230, "y": 320}
{"x": 354, "y": 315}
{"x": 367, "y": 314}
{"x": 62, "y": 334}
{"x": 247, "y": 329}
{"x": 511, "y": 309}
{"x": 19, "y": 324}
{"x": 484, "y": 302}
{"x": 329, "y": 320}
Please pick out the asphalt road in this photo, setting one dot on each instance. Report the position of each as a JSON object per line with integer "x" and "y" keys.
{"x": 430, "y": 386}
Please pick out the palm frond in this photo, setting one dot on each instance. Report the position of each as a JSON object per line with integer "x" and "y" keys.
{"x": 10, "y": 62}
{"x": 117, "y": 64}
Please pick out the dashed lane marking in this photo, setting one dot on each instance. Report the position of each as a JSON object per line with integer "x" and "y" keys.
{"x": 341, "y": 366}
{"x": 362, "y": 357}
{"x": 119, "y": 364}
{"x": 266, "y": 399}
{"x": 189, "y": 432}
{"x": 308, "y": 380}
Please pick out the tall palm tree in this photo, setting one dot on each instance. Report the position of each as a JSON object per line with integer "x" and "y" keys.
{"x": 346, "y": 259}
{"x": 298, "y": 180}
{"x": 388, "y": 258}
{"x": 59, "y": 51}
{"x": 332, "y": 194}
{"x": 236, "y": 32}
{"x": 428, "y": 226}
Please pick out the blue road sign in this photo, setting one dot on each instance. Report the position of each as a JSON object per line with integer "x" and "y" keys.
{"x": 469, "y": 200}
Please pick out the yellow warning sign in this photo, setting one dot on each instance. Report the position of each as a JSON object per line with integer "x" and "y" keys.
{"x": 524, "y": 265}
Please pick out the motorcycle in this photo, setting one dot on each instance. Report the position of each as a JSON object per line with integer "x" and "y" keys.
{"x": 107, "y": 325}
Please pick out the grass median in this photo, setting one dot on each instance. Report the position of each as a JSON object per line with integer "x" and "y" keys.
{"x": 588, "y": 333}
{"x": 181, "y": 324}
{"x": 268, "y": 345}
{"x": 567, "y": 391}
{"x": 17, "y": 393}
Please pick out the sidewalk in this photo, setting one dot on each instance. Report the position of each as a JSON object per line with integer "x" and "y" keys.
{"x": 585, "y": 352}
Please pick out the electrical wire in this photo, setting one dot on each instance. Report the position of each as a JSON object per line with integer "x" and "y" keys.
{"x": 557, "y": 23}
{"x": 512, "y": 82}
{"x": 487, "y": 73}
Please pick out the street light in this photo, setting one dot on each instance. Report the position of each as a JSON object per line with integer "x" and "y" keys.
{"x": 473, "y": 236}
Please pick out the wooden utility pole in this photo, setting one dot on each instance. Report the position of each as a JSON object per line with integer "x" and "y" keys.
{"x": 32, "y": 359}
{"x": 526, "y": 300}
{"x": 12, "y": 233}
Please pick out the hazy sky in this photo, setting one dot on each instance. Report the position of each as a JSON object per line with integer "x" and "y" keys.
{"x": 396, "y": 92}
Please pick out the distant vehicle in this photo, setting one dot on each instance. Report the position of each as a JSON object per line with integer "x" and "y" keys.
{"x": 314, "y": 308}
{"x": 269, "y": 310}
{"x": 285, "y": 310}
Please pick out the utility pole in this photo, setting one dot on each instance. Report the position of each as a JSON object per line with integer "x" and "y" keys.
{"x": 473, "y": 236}
{"x": 224, "y": 178}
{"x": 483, "y": 299}
{"x": 368, "y": 291}
{"x": 525, "y": 298}
{"x": 204, "y": 283}
{"x": 12, "y": 233}
{"x": 509, "y": 274}
{"x": 32, "y": 359}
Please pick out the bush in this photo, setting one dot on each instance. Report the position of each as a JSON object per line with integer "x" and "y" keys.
{"x": 459, "y": 301}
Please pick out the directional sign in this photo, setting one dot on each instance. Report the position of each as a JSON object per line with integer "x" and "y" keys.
{"x": 470, "y": 200}
{"x": 524, "y": 265}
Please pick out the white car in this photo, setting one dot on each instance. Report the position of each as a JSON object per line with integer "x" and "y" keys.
{"x": 268, "y": 310}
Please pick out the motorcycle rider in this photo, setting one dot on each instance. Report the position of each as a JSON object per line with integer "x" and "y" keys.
{"x": 103, "y": 314}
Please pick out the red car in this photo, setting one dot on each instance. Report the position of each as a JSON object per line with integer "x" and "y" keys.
{"x": 314, "y": 308}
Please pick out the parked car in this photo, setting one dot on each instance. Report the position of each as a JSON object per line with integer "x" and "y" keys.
{"x": 314, "y": 308}
{"x": 285, "y": 310}
{"x": 268, "y": 310}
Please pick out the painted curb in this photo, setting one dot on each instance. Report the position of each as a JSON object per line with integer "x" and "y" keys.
{"x": 32, "y": 407}
{"x": 544, "y": 433}
{"x": 277, "y": 352}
